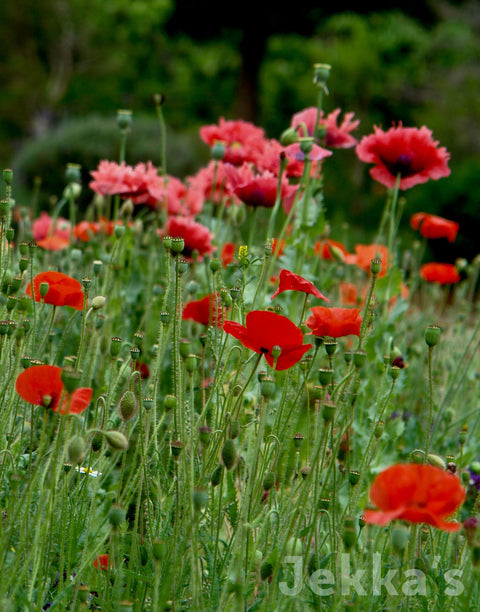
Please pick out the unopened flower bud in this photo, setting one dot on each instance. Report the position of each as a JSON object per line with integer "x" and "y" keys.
{"x": 116, "y": 440}
{"x": 98, "y": 302}
{"x": 289, "y": 136}
{"x": 234, "y": 430}
{"x": 216, "y": 476}
{"x": 169, "y": 402}
{"x": 229, "y": 454}
{"x": 127, "y": 405}
{"x": 76, "y": 450}
{"x": 268, "y": 481}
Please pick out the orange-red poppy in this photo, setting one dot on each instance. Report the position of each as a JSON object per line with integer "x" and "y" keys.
{"x": 416, "y": 493}
{"x": 289, "y": 281}
{"x": 63, "y": 290}
{"x": 334, "y": 322}
{"x": 432, "y": 226}
{"x": 102, "y": 562}
{"x": 42, "y": 385}
{"x": 264, "y": 330}
{"x": 442, "y": 273}
{"x": 207, "y": 311}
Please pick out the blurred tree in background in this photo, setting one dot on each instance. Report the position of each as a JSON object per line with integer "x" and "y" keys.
{"x": 70, "y": 64}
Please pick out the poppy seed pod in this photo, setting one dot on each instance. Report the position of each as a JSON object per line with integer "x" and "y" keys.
{"x": 432, "y": 335}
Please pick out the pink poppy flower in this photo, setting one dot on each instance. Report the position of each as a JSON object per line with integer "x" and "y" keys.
{"x": 197, "y": 237}
{"x": 243, "y": 140}
{"x": 336, "y": 136}
{"x": 256, "y": 190}
{"x": 409, "y": 152}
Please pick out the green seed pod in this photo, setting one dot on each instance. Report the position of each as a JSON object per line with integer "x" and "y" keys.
{"x": 267, "y": 386}
{"x": 205, "y": 434}
{"x": 353, "y": 477}
{"x": 375, "y": 266}
{"x": 359, "y": 358}
{"x": 328, "y": 411}
{"x": 325, "y": 376}
{"x": 432, "y": 335}
{"x": 177, "y": 245}
{"x": 330, "y": 347}
{"x": 158, "y": 549}
{"x": 305, "y": 471}
{"x": 176, "y": 448}
{"x": 200, "y": 498}
{"x": 400, "y": 537}
{"x": 115, "y": 346}
{"x": 169, "y": 402}
{"x": 297, "y": 440}
{"x": 379, "y": 429}
{"x": 127, "y": 406}
{"x": 229, "y": 454}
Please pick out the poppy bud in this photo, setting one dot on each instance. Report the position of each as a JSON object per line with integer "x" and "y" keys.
{"x": 289, "y": 136}
{"x": 116, "y": 439}
{"x": 268, "y": 481}
{"x": 432, "y": 335}
{"x": 117, "y": 515}
{"x": 234, "y": 430}
{"x": 436, "y": 461}
{"x": 169, "y": 402}
{"x": 216, "y": 476}
{"x": 229, "y": 454}
{"x": 294, "y": 547}
{"x": 76, "y": 450}
{"x": 215, "y": 264}
{"x": 98, "y": 302}
{"x": 226, "y": 297}
{"x": 379, "y": 429}
{"x": 462, "y": 435}
{"x": 127, "y": 406}
{"x": 97, "y": 441}
{"x": 43, "y": 289}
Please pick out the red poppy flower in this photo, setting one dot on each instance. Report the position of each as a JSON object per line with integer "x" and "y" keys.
{"x": 289, "y": 281}
{"x": 324, "y": 249}
{"x": 84, "y": 230}
{"x": 53, "y": 243}
{"x": 228, "y": 253}
{"x": 197, "y": 237}
{"x": 431, "y": 226}
{"x": 409, "y": 152}
{"x": 264, "y": 330}
{"x": 102, "y": 562}
{"x": 349, "y": 294}
{"x": 334, "y": 322}
{"x": 256, "y": 189}
{"x": 207, "y": 311}
{"x": 278, "y": 247}
{"x": 416, "y": 493}
{"x": 442, "y": 273}
{"x": 43, "y": 227}
{"x": 42, "y": 386}
{"x": 63, "y": 290}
